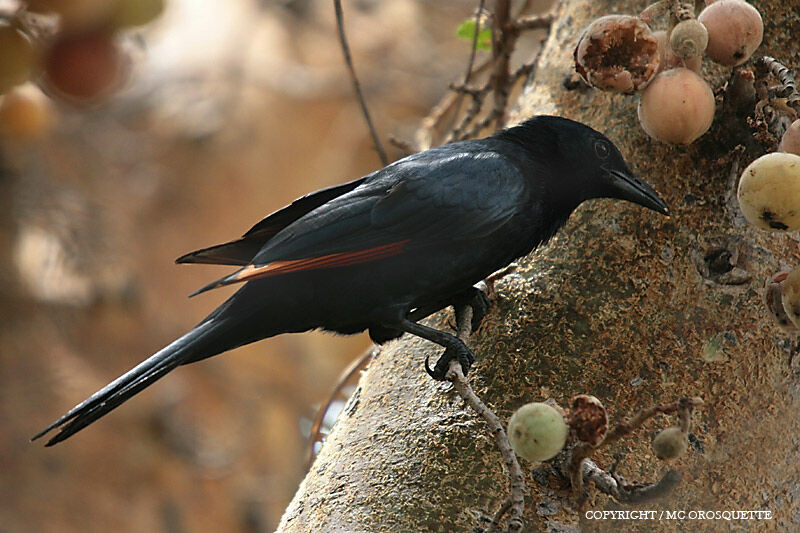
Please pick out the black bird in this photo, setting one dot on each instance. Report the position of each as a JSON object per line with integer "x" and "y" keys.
{"x": 383, "y": 251}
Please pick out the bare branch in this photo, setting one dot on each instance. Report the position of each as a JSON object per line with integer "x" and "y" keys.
{"x": 453, "y": 102}
{"x": 406, "y": 146}
{"x": 505, "y": 31}
{"x": 445, "y": 106}
{"x": 479, "y": 126}
{"x": 537, "y": 22}
{"x": 475, "y": 92}
{"x": 474, "y": 50}
{"x": 337, "y": 4}
{"x": 461, "y": 132}
{"x": 523, "y": 71}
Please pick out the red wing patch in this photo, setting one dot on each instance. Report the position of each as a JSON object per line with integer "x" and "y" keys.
{"x": 324, "y": 261}
{"x": 338, "y": 259}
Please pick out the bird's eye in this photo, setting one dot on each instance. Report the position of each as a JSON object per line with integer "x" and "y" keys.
{"x": 602, "y": 149}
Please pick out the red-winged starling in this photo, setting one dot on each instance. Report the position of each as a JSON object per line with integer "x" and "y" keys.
{"x": 386, "y": 250}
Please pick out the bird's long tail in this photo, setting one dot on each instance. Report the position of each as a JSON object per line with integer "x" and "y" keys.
{"x": 185, "y": 349}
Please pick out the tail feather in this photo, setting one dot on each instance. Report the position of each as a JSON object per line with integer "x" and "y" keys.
{"x": 121, "y": 389}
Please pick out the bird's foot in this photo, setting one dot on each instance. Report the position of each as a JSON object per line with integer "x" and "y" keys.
{"x": 459, "y": 353}
{"x": 478, "y": 301}
{"x": 480, "y": 304}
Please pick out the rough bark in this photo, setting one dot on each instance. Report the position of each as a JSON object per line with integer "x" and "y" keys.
{"x": 623, "y": 304}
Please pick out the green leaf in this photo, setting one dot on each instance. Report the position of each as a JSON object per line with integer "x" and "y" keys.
{"x": 466, "y": 30}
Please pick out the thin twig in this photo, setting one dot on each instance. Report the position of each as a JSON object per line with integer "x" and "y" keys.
{"x": 479, "y": 126}
{"x": 406, "y": 146}
{"x": 502, "y": 80}
{"x": 522, "y": 72}
{"x": 315, "y": 434}
{"x": 580, "y": 454}
{"x": 627, "y": 426}
{"x": 440, "y": 110}
{"x": 535, "y": 22}
{"x": 460, "y": 132}
{"x": 424, "y": 138}
{"x": 475, "y": 92}
{"x": 631, "y": 493}
{"x": 493, "y": 278}
{"x": 505, "y": 32}
{"x": 337, "y": 4}
{"x": 459, "y": 99}
{"x": 460, "y": 384}
{"x": 473, "y": 52}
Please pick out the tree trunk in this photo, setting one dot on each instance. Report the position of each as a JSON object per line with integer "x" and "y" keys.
{"x": 624, "y": 304}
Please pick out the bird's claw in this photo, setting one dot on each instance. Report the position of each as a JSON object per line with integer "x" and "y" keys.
{"x": 463, "y": 355}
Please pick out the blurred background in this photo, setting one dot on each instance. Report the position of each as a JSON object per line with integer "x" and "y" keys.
{"x": 214, "y": 114}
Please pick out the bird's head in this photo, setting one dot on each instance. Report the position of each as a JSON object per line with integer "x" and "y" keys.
{"x": 592, "y": 166}
{"x": 612, "y": 178}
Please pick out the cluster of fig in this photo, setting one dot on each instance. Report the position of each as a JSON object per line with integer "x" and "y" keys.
{"x": 66, "y": 49}
{"x": 621, "y": 53}
{"x": 769, "y": 198}
{"x": 539, "y": 431}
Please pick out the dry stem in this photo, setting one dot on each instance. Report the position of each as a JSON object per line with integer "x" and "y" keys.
{"x": 516, "y": 500}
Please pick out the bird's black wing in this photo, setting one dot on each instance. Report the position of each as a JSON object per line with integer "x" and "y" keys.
{"x": 242, "y": 251}
{"x": 449, "y": 194}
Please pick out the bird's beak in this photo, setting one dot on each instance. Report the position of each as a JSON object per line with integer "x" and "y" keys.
{"x": 626, "y": 186}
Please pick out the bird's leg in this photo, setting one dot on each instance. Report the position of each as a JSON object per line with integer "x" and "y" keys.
{"x": 472, "y": 297}
{"x": 477, "y": 300}
{"x": 455, "y": 349}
